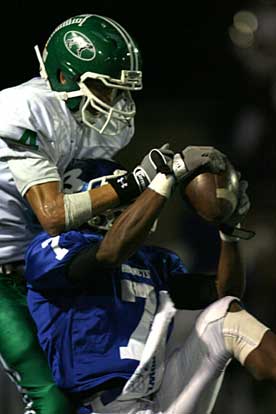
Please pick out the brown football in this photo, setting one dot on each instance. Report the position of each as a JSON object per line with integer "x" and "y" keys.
{"x": 212, "y": 196}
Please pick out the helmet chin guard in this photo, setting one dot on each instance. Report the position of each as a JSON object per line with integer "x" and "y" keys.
{"x": 119, "y": 114}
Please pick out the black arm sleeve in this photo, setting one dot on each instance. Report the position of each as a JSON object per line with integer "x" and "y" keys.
{"x": 192, "y": 291}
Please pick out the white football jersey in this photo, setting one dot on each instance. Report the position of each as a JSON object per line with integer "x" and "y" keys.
{"x": 39, "y": 136}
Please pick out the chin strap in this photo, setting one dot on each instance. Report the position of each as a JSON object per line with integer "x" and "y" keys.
{"x": 42, "y": 69}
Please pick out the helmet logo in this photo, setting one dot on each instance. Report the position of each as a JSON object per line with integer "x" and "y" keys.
{"x": 79, "y": 45}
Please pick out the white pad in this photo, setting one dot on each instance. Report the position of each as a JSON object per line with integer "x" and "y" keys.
{"x": 242, "y": 333}
{"x": 78, "y": 209}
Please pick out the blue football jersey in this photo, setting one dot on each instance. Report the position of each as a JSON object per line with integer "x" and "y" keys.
{"x": 99, "y": 332}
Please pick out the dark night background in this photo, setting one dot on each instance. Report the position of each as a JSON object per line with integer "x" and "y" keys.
{"x": 209, "y": 79}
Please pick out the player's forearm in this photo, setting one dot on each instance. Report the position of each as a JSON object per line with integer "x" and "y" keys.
{"x": 131, "y": 228}
{"x": 231, "y": 271}
{"x": 48, "y": 203}
{"x": 103, "y": 198}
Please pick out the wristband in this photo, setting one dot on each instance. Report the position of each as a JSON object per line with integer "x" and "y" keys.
{"x": 129, "y": 186}
{"x": 162, "y": 184}
{"x": 77, "y": 208}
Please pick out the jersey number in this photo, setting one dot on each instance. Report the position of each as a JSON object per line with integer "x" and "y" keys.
{"x": 130, "y": 290}
{"x": 60, "y": 252}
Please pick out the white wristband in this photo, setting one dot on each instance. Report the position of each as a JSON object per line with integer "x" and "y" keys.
{"x": 162, "y": 184}
{"x": 78, "y": 209}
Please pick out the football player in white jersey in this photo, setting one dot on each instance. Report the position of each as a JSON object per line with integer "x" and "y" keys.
{"x": 80, "y": 107}
{"x": 103, "y": 303}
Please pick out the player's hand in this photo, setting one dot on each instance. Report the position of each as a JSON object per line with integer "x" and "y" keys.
{"x": 243, "y": 206}
{"x": 129, "y": 186}
{"x": 231, "y": 229}
{"x": 195, "y": 159}
{"x": 157, "y": 160}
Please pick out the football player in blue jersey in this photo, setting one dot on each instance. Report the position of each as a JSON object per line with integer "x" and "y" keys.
{"x": 104, "y": 304}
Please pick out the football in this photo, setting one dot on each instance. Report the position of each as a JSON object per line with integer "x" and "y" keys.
{"x": 212, "y": 196}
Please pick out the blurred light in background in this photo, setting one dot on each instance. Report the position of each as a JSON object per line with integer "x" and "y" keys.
{"x": 253, "y": 38}
{"x": 245, "y": 23}
{"x": 268, "y": 2}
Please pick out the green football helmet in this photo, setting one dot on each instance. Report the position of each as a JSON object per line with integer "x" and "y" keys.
{"x": 90, "y": 50}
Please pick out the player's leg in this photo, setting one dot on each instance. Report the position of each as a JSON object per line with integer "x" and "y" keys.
{"x": 22, "y": 356}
